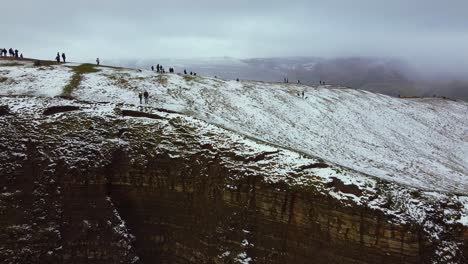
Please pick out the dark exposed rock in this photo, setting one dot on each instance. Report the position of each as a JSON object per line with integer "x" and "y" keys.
{"x": 261, "y": 156}
{"x": 338, "y": 185}
{"x": 314, "y": 165}
{"x": 4, "y": 110}
{"x": 60, "y": 109}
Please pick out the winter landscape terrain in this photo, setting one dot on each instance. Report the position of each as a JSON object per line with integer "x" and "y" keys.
{"x": 412, "y": 152}
{"x": 418, "y": 142}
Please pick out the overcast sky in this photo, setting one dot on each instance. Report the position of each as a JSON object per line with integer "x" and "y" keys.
{"x": 433, "y": 31}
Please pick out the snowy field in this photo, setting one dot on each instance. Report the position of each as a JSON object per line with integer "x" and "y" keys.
{"x": 417, "y": 142}
{"x": 38, "y": 81}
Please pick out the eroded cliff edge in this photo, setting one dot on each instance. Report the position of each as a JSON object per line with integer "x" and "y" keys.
{"x": 109, "y": 183}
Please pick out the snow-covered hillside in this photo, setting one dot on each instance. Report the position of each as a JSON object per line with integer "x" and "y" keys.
{"x": 417, "y": 142}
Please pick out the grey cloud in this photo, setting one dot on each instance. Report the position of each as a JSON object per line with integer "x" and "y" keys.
{"x": 429, "y": 32}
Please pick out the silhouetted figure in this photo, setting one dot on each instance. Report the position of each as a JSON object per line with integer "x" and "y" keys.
{"x": 185, "y": 71}
{"x": 237, "y": 79}
{"x": 98, "y": 61}
{"x": 21, "y": 55}
{"x": 152, "y": 68}
{"x": 287, "y": 80}
{"x": 141, "y": 97}
{"x": 158, "y": 68}
{"x": 11, "y": 52}
{"x": 303, "y": 94}
{"x": 284, "y": 80}
{"x": 63, "y": 57}
{"x": 194, "y": 74}
{"x": 191, "y": 73}
{"x": 57, "y": 58}
{"x": 146, "y": 95}
{"x": 16, "y": 53}
{"x": 298, "y": 81}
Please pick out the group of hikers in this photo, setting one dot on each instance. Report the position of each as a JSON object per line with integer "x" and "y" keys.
{"x": 64, "y": 58}
{"x": 286, "y": 80}
{"x": 191, "y": 73}
{"x": 160, "y": 69}
{"x": 12, "y": 53}
{"x": 57, "y": 58}
{"x": 143, "y": 95}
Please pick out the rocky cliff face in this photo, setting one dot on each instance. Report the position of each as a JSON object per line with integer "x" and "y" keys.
{"x": 107, "y": 183}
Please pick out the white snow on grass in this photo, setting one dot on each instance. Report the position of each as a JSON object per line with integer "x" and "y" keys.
{"x": 30, "y": 80}
{"x": 417, "y": 142}
{"x": 464, "y": 212}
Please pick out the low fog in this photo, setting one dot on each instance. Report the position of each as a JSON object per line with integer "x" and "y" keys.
{"x": 424, "y": 41}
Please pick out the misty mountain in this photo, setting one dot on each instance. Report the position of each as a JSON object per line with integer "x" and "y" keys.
{"x": 383, "y": 75}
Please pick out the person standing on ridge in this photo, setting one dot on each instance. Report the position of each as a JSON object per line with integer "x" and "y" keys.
{"x": 57, "y": 58}
{"x": 16, "y": 53}
{"x": 141, "y": 97}
{"x": 63, "y": 57}
{"x": 146, "y": 95}
{"x": 152, "y": 68}
{"x": 98, "y": 61}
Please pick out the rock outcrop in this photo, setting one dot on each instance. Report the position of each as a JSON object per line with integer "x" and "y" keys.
{"x": 109, "y": 183}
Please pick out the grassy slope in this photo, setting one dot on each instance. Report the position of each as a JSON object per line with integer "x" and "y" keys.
{"x": 78, "y": 72}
